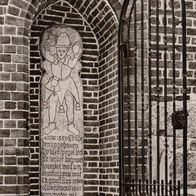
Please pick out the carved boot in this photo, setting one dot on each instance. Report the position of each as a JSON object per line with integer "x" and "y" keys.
{"x": 49, "y": 128}
{"x": 61, "y": 109}
{"x": 73, "y": 130}
{"x": 45, "y": 105}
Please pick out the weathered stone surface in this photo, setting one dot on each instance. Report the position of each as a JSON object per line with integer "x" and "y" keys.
{"x": 179, "y": 142}
{"x": 62, "y": 115}
{"x": 191, "y": 105}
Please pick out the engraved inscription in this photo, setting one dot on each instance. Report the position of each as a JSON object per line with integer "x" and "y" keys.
{"x": 61, "y": 113}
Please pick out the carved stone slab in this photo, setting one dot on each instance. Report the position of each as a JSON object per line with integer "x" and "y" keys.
{"x": 61, "y": 113}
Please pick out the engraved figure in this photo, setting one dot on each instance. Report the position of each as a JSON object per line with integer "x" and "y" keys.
{"x": 61, "y": 59}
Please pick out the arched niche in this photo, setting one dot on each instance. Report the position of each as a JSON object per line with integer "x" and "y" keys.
{"x": 99, "y": 79}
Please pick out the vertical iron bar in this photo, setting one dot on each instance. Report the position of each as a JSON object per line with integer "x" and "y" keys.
{"x": 154, "y": 187}
{"x": 121, "y": 99}
{"x": 174, "y": 91}
{"x": 150, "y": 97}
{"x": 128, "y": 100}
{"x": 165, "y": 97}
{"x": 135, "y": 91}
{"x": 170, "y": 188}
{"x": 184, "y": 72}
{"x": 179, "y": 188}
{"x": 140, "y": 186}
{"x": 147, "y": 185}
{"x": 128, "y": 52}
{"x": 142, "y": 91}
{"x": 133, "y": 183}
{"x": 162, "y": 187}
{"x": 158, "y": 96}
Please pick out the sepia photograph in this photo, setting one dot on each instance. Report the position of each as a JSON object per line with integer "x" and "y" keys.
{"x": 97, "y": 97}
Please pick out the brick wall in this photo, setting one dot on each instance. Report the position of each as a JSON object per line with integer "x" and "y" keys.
{"x": 14, "y": 150}
{"x": 96, "y": 23}
{"x": 190, "y": 6}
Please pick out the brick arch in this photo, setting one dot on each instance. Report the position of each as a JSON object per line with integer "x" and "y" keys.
{"x": 93, "y": 11}
{"x": 63, "y": 13}
{"x": 19, "y": 18}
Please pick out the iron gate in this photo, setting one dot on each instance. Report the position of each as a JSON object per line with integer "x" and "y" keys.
{"x": 152, "y": 98}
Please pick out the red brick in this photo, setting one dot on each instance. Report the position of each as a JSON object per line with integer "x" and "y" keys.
{"x": 23, "y": 31}
{"x": 23, "y": 189}
{"x": 23, "y": 142}
{"x": 1, "y": 179}
{"x": 10, "y": 160}
{"x": 22, "y": 124}
{"x": 10, "y": 86}
{"x": 1, "y": 11}
{"x": 22, "y": 68}
{"x": 10, "y": 142}
{"x": 23, "y": 160}
{"x": 14, "y": 21}
{"x": 10, "y": 124}
{"x": 20, "y": 3}
{"x": 23, "y": 105}
{"x": 23, "y": 179}
{"x": 19, "y": 58}
{"x": 4, "y": 2}
{"x": 8, "y": 189}
{"x": 10, "y": 151}
{"x": 19, "y": 77}
{"x": 1, "y": 126}
{"x": 19, "y": 96}
{"x": 9, "y": 49}
{"x": 5, "y": 76}
{"x": 19, "y": 133}
{"x": 1, "y": 20}
{"x": 5, "y": 58}
{"x": 10, "y": 179}
{"x": 1, "y": 49}
{"x": 4, "y": 39}
{"x": 4, "y": 95}
{"x": 13, "y": 10}
{"x": 19, "y": 115}
{"x": 23, "y": 152}
{"x": 10, "y": 105}
{"x": 19, "y": 41}
{"x": 4, "y": 133}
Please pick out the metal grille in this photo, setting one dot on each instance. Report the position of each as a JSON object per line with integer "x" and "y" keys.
{"x": 152, "y": 100}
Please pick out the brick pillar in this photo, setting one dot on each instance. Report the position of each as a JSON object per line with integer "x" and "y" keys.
{"x": 14, "y": 96}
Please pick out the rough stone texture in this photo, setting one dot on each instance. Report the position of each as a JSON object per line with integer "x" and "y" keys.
{"x": 62, "y": 131}
{"x": 179, "y": 141}
{"x": 178, "y": 88}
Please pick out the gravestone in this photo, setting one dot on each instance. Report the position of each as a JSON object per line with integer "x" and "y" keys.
{"x": 61, "y": 113}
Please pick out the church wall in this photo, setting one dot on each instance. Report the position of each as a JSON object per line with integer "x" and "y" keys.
{"x": 20, "y": 92}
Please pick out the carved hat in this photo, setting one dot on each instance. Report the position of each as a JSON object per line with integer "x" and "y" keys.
{"x": 63, "y": 40}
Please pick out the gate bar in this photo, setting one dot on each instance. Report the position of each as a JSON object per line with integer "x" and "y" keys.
{"x": 174, "y": 90}
{"x": 150, "y": 95}
{"x": 142, "y": 92}
{"x": 184, "y": 71}
{"x": 158, "y": 96}
{"x": 121, "y": 98}
{"x": 165, "y": 97}
{"x": 135, "y": 93}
